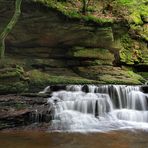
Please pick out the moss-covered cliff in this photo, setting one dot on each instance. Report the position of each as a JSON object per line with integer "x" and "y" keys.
{"x": 54, "y": 42}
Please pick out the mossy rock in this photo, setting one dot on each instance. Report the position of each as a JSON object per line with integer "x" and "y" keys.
{"x": 132, "y": 51}
{"x": 140, "y": 31}
{"x": 73, "y": 10}
{"x": 94, "y": 53}
{"x": 13, "y": 80}
{"x": 109, "y": 74}
{"x": 135, "y": 18}
{"x": 20, "y": 106}
{"x": 119, "y": 80}
{"x": 144, "y": 75}
{"x": 16, "y": 87}
{"x": 39, "y": 80}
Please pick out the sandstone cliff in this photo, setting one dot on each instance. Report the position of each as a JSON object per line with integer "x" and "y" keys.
{"x": 50, "y": 47}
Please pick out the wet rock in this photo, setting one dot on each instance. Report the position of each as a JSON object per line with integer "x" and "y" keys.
{"x": 85, "y": 88}
{"x": 144, "y": 88}
{"x": 18, "y": 111}
{"x": 57, "y": 87}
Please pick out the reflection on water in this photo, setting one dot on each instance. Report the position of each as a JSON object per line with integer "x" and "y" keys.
{"x": 73, "y": 140}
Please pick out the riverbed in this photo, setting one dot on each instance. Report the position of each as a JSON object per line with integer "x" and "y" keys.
{"x": 43, "y": 139}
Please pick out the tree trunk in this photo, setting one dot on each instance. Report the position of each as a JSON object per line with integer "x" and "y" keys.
{"x": 9, "y": 27}
{"x": 84, "y": 7}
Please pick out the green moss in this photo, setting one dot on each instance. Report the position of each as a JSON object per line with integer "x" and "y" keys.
{"x": 103, "y": 62}
{"x": 134, "y": 75}
{"x": 141, "y": 31}
{"x": 91, "y": 9}
{"x": 119, "y": 80}
{"x": 125, "y": 52}
{"x": 109, "y": 74}
{"x": 126, "y": 41}
{"x": 20, "y": 87}
{"x": 130, "y": 53}
{"x": 103, "y": 55}
{"x": 144, "y": 75}
{"x": 136, "y": 18}
{"x": 70, "y": 12}
{"x": 74, "y": 11}
{"x": 19, "y": 106}
{"x": 125, "y": 2}
{"x": 9, "y": 72}
{"x": 38, "y": 78}
{"x": 13, "y": 79}
{"x": 144, "y": 32}
{"x": 133, "y": 11}
{"x": 15, "y": 87}
{"x": 95, "y": 19}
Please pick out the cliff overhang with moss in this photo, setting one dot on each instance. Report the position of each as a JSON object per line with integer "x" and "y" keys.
{"x": 55, "y": 43}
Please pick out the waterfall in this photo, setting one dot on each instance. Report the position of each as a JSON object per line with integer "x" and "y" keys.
{"x": 99, "y": 108}
{"x": 45, "y": 90}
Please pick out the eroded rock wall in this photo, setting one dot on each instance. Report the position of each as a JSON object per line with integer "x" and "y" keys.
{"x": 55, "y": 49}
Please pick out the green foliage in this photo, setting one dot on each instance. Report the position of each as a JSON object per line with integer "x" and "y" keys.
{"x": 128, "y": 53}
{"x": 102, "y": 21}
{"x": 125, "y": 2}
{"x": 126, "y": 41}
{"x": 141, "y": 31}
{"x": 91, "y": 9}
{"x": 75, "y": 12}
{"x": 136, "y": 18}
{"x": 137, "y": 9}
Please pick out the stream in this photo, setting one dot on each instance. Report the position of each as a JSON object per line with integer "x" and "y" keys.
{"x": 90, "y": 116}
{"x": 118, "y": 139}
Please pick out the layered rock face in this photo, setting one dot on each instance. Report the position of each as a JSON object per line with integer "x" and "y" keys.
{"x": 55, "y": 49}
{"x": 18, "y": 111}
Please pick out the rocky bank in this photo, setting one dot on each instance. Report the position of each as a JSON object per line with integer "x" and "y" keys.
{"x": 18, "y": 111}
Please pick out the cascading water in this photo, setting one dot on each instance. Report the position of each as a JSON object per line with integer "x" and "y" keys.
{"x": 99, "y": 108}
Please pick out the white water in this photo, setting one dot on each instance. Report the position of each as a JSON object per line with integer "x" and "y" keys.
{"x": 45, "y": 90}
{"x": 103, "y": 108}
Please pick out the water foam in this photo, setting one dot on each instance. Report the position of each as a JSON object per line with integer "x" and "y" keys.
{"x": 103, "y": 108}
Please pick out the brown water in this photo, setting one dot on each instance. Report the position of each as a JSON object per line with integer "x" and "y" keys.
{"x": 73, "y": 140}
